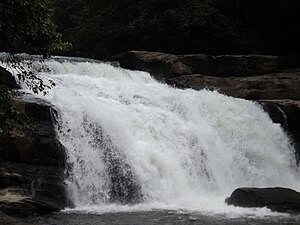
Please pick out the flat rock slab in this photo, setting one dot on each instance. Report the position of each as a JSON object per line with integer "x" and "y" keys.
{"x": 283, "y": 85}
{"x": 277, "y": 199}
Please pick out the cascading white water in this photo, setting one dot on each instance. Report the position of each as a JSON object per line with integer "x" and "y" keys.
{"x": 185, "y": 148}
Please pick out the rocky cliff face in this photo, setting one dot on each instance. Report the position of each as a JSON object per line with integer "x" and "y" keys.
{"x": 273, "y": 81}
{"x": 32, "y": 165}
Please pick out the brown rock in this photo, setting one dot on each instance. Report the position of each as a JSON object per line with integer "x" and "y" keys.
{"x": 284, "y": 85}
{"x": 164, "y": 66}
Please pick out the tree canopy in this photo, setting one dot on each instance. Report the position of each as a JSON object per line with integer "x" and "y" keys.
{"x": 105, "y": 27}
{"x": 27, "y": 26}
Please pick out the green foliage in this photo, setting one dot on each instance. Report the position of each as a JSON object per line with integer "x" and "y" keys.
{"x": 26, "y": 26}
{"x": 105, "y": 27}
{"x": 27, "y": 75}
{"x": 11, "y": 118}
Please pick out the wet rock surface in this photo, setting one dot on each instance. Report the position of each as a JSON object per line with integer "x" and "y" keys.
{"x": 277, "y": 199}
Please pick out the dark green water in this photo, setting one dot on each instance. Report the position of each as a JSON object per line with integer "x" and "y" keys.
{"x": 158, "y": 218}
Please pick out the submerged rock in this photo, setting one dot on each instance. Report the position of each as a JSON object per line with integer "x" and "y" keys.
{"x": 277, "y": 199}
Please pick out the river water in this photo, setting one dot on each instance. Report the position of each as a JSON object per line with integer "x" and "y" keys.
{"x": 162, "y": 218}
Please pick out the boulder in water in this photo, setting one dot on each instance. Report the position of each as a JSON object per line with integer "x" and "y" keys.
{"x": 277, "y": 199}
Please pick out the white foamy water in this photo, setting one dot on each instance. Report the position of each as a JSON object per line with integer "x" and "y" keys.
{"x": 187, "y": 149}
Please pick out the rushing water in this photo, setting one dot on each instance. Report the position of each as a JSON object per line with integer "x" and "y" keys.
{"x": 130, "y": 139}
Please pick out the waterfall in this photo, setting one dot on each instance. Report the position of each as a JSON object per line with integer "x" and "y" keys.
{"x": 132, "y": 140}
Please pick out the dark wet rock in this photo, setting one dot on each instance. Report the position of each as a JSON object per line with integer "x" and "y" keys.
{"x": 9, "y": 179}
{"x": 277, "y": 199}
{"x": 43, "y": 183}
{"x": 7, "y": 79}
{"x": 32, "y": 165}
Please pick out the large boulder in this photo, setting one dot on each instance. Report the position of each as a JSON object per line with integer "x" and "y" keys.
{"x": 277, "y": 199}
{"x": 32, "y": 164}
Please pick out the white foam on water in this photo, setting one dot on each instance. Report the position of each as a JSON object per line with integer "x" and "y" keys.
{"x": 187, "y": 149}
